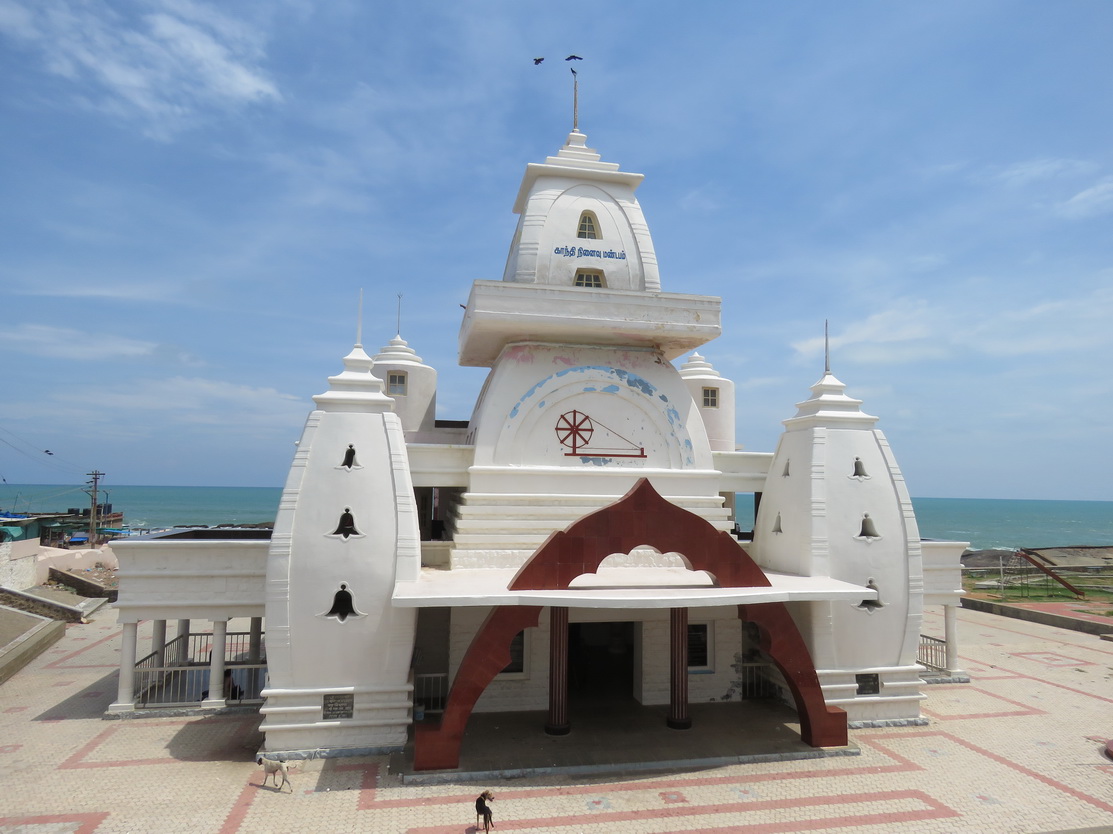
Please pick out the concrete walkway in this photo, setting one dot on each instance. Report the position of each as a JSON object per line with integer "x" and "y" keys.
{"x": 1020, "y": 749}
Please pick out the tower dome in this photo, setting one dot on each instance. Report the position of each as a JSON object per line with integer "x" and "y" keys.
{"x": 714, "y": 397}
{"x": 835, "y": 504}
{"x": 410, "y": 382}
{"x": 581, "y": 225}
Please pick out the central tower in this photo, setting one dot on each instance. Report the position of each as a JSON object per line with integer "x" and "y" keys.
{"x": 582, "y": 399}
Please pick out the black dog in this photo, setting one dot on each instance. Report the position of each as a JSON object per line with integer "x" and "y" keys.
{"x": 482, "y": 810}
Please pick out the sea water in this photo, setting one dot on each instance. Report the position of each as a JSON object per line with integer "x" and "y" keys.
{"x": 984, "y": 522}
{"x": 1001, "y": 523}
{"x": 153, "y": 507}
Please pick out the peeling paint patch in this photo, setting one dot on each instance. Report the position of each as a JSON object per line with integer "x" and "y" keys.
{"x": 541, "y": 404}
{"x": 520, "y": 354}
{"x": 596, "y": 461}
{"x": 632, "y": 380}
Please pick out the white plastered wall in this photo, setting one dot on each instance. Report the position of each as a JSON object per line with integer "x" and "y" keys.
{"x": 366, "y": 655}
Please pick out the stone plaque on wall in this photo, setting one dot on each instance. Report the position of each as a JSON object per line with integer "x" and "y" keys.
{"x": 868, "y": 684}
{"x": 338, "y": 706}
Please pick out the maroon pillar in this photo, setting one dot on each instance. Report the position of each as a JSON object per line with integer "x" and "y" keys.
{"x": 558, "y": 724}
{"x": 678, "y": 669}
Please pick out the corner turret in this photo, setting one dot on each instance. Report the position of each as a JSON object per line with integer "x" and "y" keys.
{"x": 714, "y": 397}
{"x": 410, "y": 383}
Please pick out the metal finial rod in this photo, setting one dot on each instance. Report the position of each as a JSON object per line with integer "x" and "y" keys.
{"x": 575, "y": 100}
{"x": 826, "y": 350}
{"x": 398, "y": 328}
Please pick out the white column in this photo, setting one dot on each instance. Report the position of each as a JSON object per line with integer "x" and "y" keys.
{"x": 216, "y": 665}
{"x": 183, "y": 646}
{"x": 950, "y": 635}
{"x": 125, "y": 693}
{"x": 158, "y": 642}
{"x": 255, "y": 640}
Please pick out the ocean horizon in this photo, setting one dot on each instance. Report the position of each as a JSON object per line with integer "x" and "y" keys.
{"x": 987, "y": 523}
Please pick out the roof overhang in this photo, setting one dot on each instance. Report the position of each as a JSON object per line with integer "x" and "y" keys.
{"x": 502, "y": 312}
{"x": 665, "y": 587}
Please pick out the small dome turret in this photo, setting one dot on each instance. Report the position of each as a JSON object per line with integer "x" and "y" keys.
{"x": 714, "y": 397}
{"x": 409, "y": 382}
{"x": 581, "y": 225}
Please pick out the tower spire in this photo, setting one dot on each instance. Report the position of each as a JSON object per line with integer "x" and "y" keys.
{"x": 575, "y": 99}
{"x": 398, "y": 329}
{"x": 826, "y": 350}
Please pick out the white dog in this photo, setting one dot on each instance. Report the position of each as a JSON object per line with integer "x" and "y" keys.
{"x": 274, "y": 767}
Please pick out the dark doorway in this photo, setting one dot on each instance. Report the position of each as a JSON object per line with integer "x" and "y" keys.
{"x": 600, "y": 662}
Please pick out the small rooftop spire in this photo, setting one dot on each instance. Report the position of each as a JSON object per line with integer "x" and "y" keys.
{"x": 398, "y": 329}
{"x": 826, "y": 350}
{"x": 575, "y": 100}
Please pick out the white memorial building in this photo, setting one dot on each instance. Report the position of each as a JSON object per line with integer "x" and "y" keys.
{"x": 576, "y": 534}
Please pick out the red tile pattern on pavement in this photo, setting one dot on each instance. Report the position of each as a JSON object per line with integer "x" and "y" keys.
{"x": 1021, "y": 749}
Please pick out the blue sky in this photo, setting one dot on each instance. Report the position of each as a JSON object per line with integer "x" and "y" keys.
{"x": 193, "y": 193}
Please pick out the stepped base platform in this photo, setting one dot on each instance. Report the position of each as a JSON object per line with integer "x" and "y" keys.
{"x": 621, "y": 736}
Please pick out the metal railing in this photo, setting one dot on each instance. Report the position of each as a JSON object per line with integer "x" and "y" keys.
{"x": 932, "y": 653}
{"x": 431, "y": 691}
{"x": 178, "y": 676}
{"x": 754, "y": 680}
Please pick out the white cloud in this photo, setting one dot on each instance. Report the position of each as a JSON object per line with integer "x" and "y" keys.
{"x": 1097, "y": 199}
{"x": 1032, "y": 170}
{"x": 194, "y": 400}
{"x": 165, "y": 68}
{"x": 911, "y": 330}
{"x": 84, "y": 346}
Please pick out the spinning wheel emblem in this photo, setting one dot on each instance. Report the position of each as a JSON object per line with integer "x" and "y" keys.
{"x": 574, "y": 430}
{"x": 582, "y": 436}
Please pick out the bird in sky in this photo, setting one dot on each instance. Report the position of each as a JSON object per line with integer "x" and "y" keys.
{"x": 537, "y": 61}
{"x": 573, "y": 58}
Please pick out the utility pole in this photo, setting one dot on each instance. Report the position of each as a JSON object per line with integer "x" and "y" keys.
{"x": 96, "y": 475}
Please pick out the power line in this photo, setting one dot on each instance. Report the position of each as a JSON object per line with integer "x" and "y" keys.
{"x": 45, "y": 457}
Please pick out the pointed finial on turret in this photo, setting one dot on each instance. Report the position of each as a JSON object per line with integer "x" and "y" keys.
{"x": 398, "y": 329}
{"x": 826, "y": 351}
{"x": 575, "y": 93}
{"x": 575, "y": 100}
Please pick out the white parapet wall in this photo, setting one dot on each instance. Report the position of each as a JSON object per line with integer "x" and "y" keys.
{"x": 166, "y": 578}
{"x": 17, "y": 564}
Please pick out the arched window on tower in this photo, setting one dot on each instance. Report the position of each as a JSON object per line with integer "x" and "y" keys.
{"x": 590, "y": 278}
{"x": 589, "y": 226}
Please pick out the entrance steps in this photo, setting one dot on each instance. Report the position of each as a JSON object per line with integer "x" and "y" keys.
{"x": 500, "y": 522}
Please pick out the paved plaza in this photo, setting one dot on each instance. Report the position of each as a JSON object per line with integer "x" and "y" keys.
{"x": 1019, "y": 749}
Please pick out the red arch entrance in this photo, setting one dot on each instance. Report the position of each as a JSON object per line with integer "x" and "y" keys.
{"x": 641, "y": 517}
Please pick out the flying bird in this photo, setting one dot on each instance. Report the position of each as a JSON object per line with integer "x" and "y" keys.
{"x": 537, "y": 61}
{"x": 573, "y": 58}
{"x": 47, "y": 452}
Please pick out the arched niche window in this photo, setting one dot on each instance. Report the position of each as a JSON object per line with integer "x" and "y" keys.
{"x": 590, "y": 278}
{"x": 396, "y": 383}
{"x": 589, "y": 226}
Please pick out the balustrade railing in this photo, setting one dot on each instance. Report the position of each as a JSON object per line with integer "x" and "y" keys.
{"x": 932, "y": 653}
{"x": 178, "y": 676}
